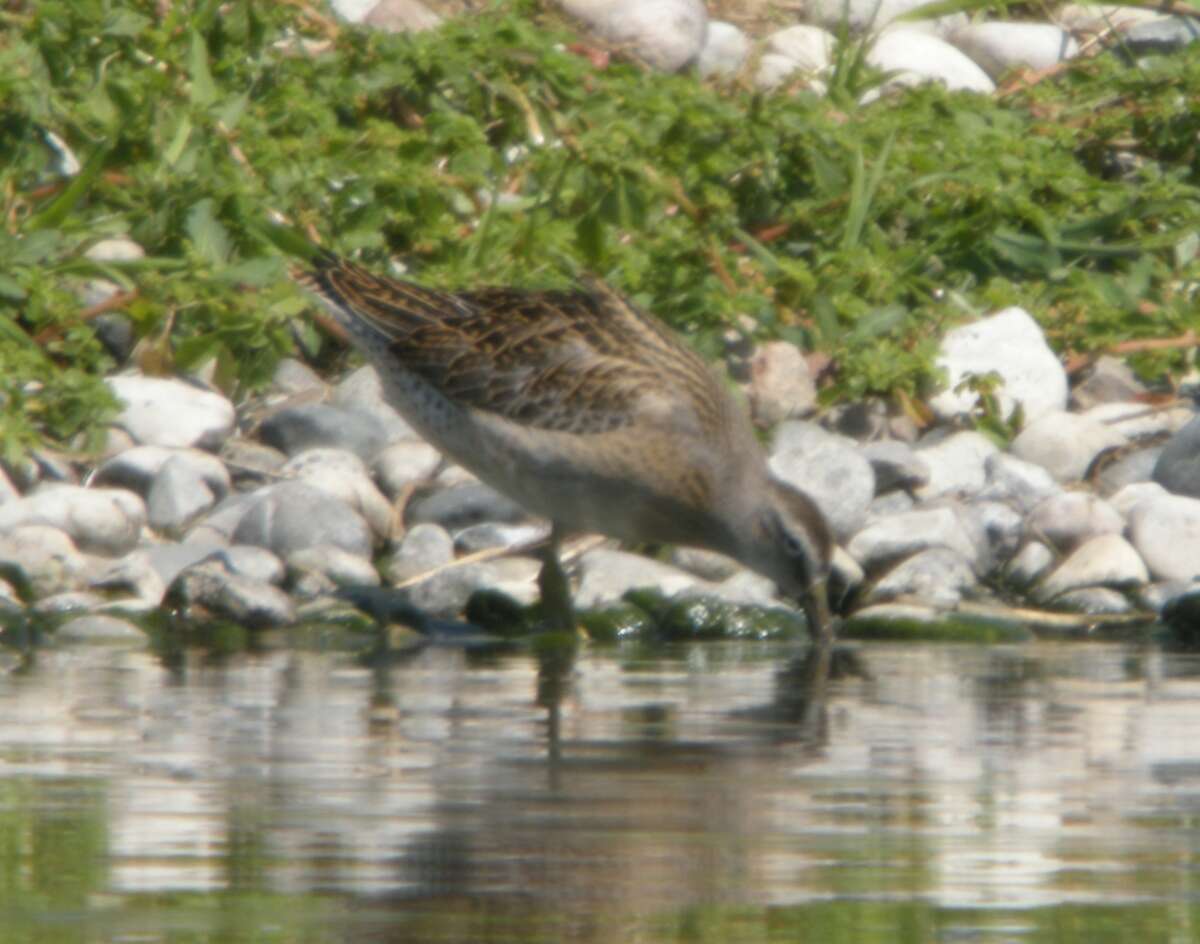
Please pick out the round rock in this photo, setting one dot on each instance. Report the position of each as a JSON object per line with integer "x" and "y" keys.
{"x": 106, "y": 520}
{"x": 936, "y": 575}
{"x": 291, "y": 516}
{"x": 42, "y": 557}
{"x": 1065, "y": 444}
{"x": 99, "y": 628}
{"x": 606, "y": 575}
{"x": 342, "y": 474}
{"x": 957, "y": 464}
{"x": 726, "y": 49}
{"x": 160, "y": 412}
{"x": 1166, "y": 532}
{"x": 999, "y": 46}
{"x": 889, "y": 539}
{"x": 829, "y": 470}
{"x": 179, "y": 494}
{"x": 917, "y": 57}
{"x": 1107, "y": 560}
{"x": 1068, "y": 519}
{"x": 316, "y": 425}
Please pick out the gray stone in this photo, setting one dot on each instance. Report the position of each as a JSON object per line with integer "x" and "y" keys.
{"x": 1001, "y": 526}
{"x": 998, "y": 46}
{"x": 212, "y": 590}
{"x": 890, "y": 539}
{"x": 1178, "y": 466}
{"x": 1030, "y": 563}
{"x": 106, "y": 520}
{"x": 831, "y": 472}
{"x": 1166, "y": 532}
{"x": 293, "y": 377}
{"x": 136, "y": 469}
{"x": 361, "y": 392}
{"x": 252, "y": 463}
{"x": 1138, "y": 421}
{"x": 707, "y": 565}
{"x": 489, "y": 534}
{"x": 446, "y": 592}
{"x": 745, "y": 588}
{"x": 342, "y": 568}
{"x": 1107, "y": 560}
{"x": 68, "y": 601}
{"x": 342, "y": 474}
{"x": 218, "y": 525}
{"x": 462, "y": 506}
{"x": 292, "y": 515}
{"x": 1133, "y": 468}
{"x": 402, "y": 16}
{"x": 1161, "y": 596}
{"x": 957, "y": 464}
{"x": 8, "y": 491}
{"x": 159, "y": 412}
{"x": 515, "y": 577}
{"x": 915, "y": 57}
{"x": 1068, "y": 519}
{"x": 98, "y": 628}
{"x": 781, "y": 385}
{"x": 179, "y": 495}
{"x": 896, "y": 465}
{"x": 403, "y": 464}
{"x": 1012, "y": 345}
{"x": 890, "y": 503}
{"x": 423, "y": 548}
{"x": 1065, "y": 444}
{"x": 317, "y": 425}
{"x": 1110, "y": 380}
{"x": 1017, "y": 482}
{"x": 606, "y": 575}
{"x": 936, "y": 575}
{"x": 147, "y": 572}
{"x": 726, "y": 49}
{"x": 1163, "y": 35}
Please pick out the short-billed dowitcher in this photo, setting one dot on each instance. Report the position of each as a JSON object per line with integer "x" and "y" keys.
{"x": 585, "y": 410}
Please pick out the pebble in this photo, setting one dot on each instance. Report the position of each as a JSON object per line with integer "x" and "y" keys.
{"x": 1166, "y": 532}
{"x": 830, "y": 470}
{"x": 1094, "y": 600}
{"x": 295, "y": 429}
{"x": 291, "y": 516}
{"x": 42, "y": 557}
{"x": 178, "y": 495}
{"x": 461, "y": 506}
{"x": 492, "y": 534}
{"x": 1029, "y": 563}
{"x": 957, "y": 464}
{"x": 606, "y": 575}
{"x": 781, "y": 385}
{"x": 667, "y": 34}
{"x": 896, "y": 465}
{"x": 1000, "y": 46}
{"x": 403, "y": 464}
{"x": 935, "y": 575}
{"x": 342, "y": 568}
{"x": 1070, "y": 518}
{"x": 1177, "y": 468}
{"x": 247, "y": 602}
{"x": 423, "y": 547}
{"x": 899, "y": 536}
{"x": 361, "y": 393}
{"x": 136, "y": 469}
{"x": 1017, "y": 482}
{"x": 343, "y": 475}
{"x": 726, "y": 49}
{"x": 1106, "y": 560}
{"x": 99, "y": 628}
{"x": 915, "y": 57}
{"x": 105, "y": 520}
{"x": 1109, "y": 380}
{"x": 162, "y": 412}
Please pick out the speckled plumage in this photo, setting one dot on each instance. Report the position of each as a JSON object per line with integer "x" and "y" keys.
{"x": 584, "y": 409}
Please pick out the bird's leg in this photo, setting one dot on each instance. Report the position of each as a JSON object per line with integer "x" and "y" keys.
{"x": 554, "y": 586}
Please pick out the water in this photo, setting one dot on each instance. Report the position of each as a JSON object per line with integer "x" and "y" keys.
{"x": 1041, "y": 792}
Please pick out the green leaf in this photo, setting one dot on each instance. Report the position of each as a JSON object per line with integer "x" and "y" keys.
{"x": 203, "y": 89}
{"x": 76, "y": 190}
{"x": 209, "y": 237}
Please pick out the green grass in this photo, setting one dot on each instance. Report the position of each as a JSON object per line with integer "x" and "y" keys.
{"x": 486, "y": 152}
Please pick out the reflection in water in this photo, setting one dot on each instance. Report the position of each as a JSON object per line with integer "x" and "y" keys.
{"x": 952, "y": 791}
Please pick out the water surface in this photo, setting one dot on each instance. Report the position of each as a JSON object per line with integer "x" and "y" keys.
{"x": 1038, "y": 792}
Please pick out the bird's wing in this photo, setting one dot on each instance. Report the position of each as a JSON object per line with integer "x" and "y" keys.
{"x": 577, "y": 362}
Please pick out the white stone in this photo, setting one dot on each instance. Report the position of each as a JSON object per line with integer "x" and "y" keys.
{"x": 1010, "y": 344}
{"x": 340, "y": 566}
{"x": 834, "y": 475}
{"x": 606, "y": 575}
{"x": 115, "y": 249}
{"x": 809, "y": 47}
{"x": 1002, "y": 45}
{"x": 401, "y": 16}
{"x": 1022, "y": 484}
{"x": 1107, "y": 560}
{"x": 98, "y": 628}
{"x": 136, "y": 468}
{"x": 1166, "y": 532}
{"x": 45, "y": 557}
{"x": 781, "y": 385}
{"x": 1065, "y": 444}
{"x": 873, "y": 15}
{"x": 1127, "y": 498}
{"x": 668, "y": 34}
{"x": 936, "y": 575}
{"x": 1103, "y": 16}
{"x": 957, "y": 464}
{"x": 917, "y": 57}
{"x": 901, "y": 535}
{"x": 342, "y": 474}
{"x": 403, "y": 464}
{"x": 726, "y": 49}
{"x": 179, "y": 494}
{"x": 1070, "y": 518}
{"x": 1029, "y": 563}
{"x": 162, "y": 412}
{"x": 353, "y": 11}
{"x": 1138, "y": 420}
{"x": 108, "y": 520}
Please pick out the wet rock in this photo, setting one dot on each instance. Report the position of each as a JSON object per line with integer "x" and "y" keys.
{"x": 105, "y": 520}
{"x": 726, "y": 49}
{"x": 516, "y": 577}
{"x": 1017, "y": 482}
{"x": 423, "y": 547}
{"x": 936, "y": 575}
{"x": 827, "y": 468}
{"x": 1166, "y": 532}
{"x": 98, "y": 628}
{"x": 291, "y": 516}
{"x": 342, "y": 568}
{"x": 999, "y": 46}
{"x": 957, "y": 464}
{"x": 606, "y": 575}
{"x": 745, "y": 588}
{"x": 403, "y": 464}
{"x": 446, "y": 592}
{"x": 1067, "y": 520}
{"x": 160, "y": 412}
{"x": 361, "y": 392}
{"x": 890, "y": 539}
{"x": 1179, "y": 605}
{"x": 179, "y": 494}
{"x": 896, "y": 465}
{"x": 668, "y": 34}
{"x": 781, "y": 385}
{"x": 464, "y": 505}
{"x": 342, "y": 474}
{"x": 148, "y": 571}
{"x": 1030, "y": 563}
{"x": 256, "y": 563}
{"x": 1107, "y": 560}
{"x": 917, "y": 57}
{"x": 211, "y": 589}
{"x": 1012, "y": 345}
{"x": 1065, "y": 444}
{"x": 68, "y": 601}
{"x": 317, "y": 425}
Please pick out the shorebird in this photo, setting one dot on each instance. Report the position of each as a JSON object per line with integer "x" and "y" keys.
{"x": 587, "y": 411}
